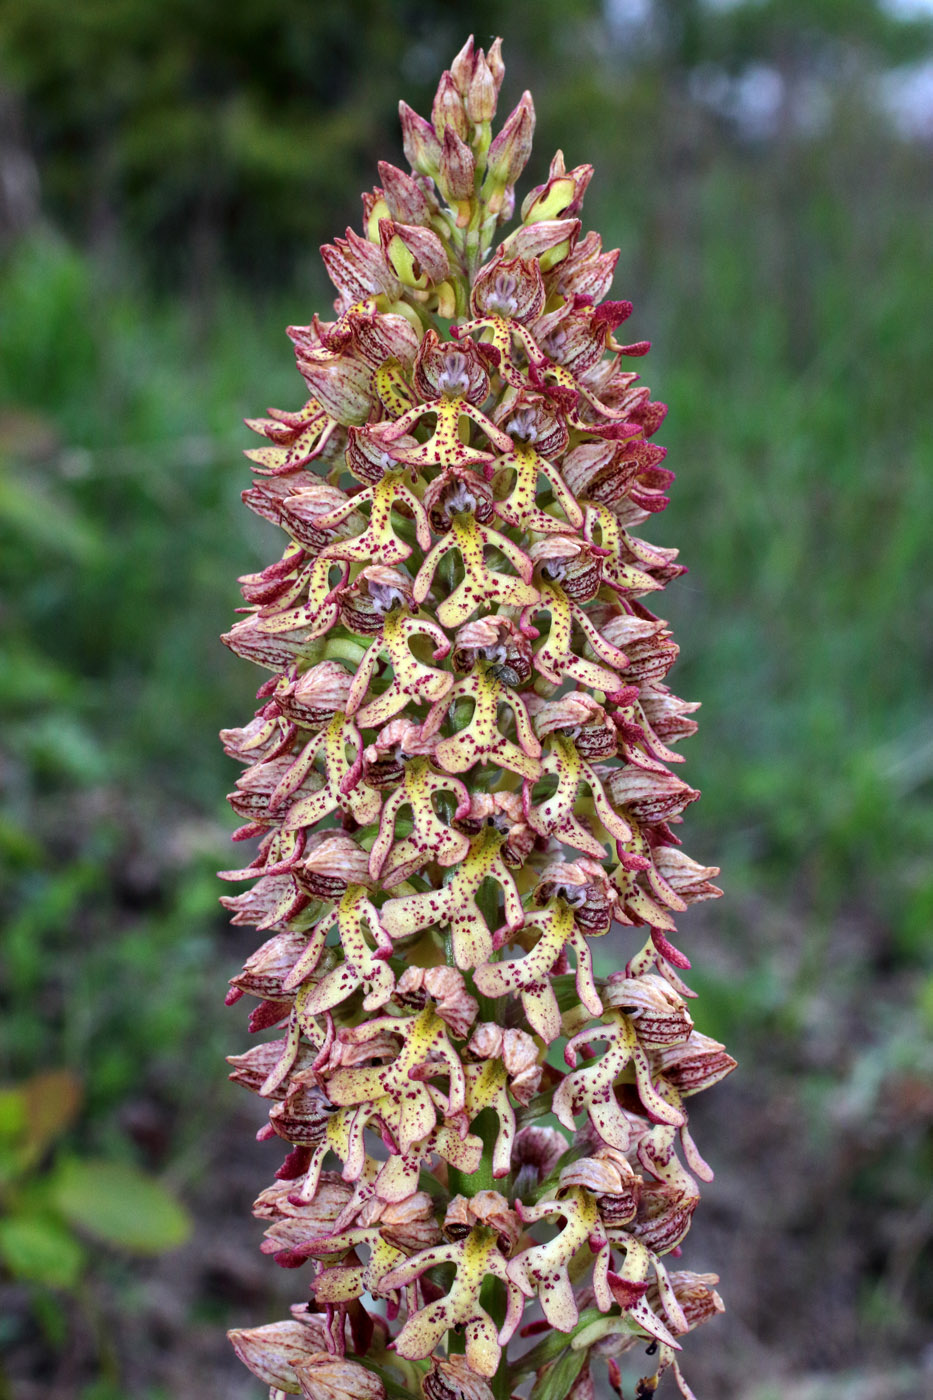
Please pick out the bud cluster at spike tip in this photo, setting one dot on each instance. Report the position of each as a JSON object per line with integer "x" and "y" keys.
{"x": 462, "y": 772}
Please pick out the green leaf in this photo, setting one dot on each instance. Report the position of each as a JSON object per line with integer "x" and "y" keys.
{"x": 557, "y": 1381}
{"x": 552, "y": 1345}
{"x": 120, "y": 1205}
{"x": 41, "y": 1249}
{"x": 12, "y": 1113}
{"x": 52, "y": 1101}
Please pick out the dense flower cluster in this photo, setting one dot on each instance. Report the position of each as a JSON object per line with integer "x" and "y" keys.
{"x": 460, "y": 774}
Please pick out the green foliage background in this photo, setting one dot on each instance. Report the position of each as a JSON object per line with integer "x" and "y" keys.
{"x": 174, "y": 168}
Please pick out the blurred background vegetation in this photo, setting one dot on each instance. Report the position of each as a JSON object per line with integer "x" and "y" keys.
{"x": 166, "y": 174}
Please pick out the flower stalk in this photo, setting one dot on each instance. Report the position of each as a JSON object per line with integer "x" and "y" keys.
{"x": 460, "y": 775}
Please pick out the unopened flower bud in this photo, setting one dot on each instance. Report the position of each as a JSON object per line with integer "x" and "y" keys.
{"x": 372, "y": 451}
{"x": 481, "y": 95}
{"x": 510, "y": 149}
{"x": 419, "y": 142}
{"x": 380, "y": 336}
{"x": 550, "y": 240}
{"x": 496, "y": 65}
{"x": 456, "y": 169}
{"x": 462, "y": 68}
{"x": 303, "y": 511}
{"x": 538, "y": 1150}
{"x": 583, "y": 1387}
{"x": 453, "y": 1379}
{"x": 327, "y": 1377}
{"x": 691, "y": 880}
{"x": 274, "y": 1353}
{"x": 406, "y": 200}
{"x": 448, "y": 112}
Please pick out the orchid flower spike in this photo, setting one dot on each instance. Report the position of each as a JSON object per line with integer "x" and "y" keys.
{"x": 460, "y": 779}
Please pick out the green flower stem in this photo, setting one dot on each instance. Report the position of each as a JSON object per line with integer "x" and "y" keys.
{"x": 486, "y": 1126}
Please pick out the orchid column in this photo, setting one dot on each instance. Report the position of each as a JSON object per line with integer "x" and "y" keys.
{"x": 460, "y": 775}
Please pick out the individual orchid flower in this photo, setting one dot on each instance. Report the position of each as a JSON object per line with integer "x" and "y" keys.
{"x": 539, "y": 433}
{"x": 431, "y": 838}
{"x": 481, "y": 739}
{"x": 699, "y": 1302}
{"x": 380, "y": 542}
{"x": 389, "y": 1231}
{"x": 507, "y": 1065}
{"x": 476, "y": 1255}
{"x": 343, "y": 786}
{"x": 459, "y": 773}
{"x": 451, "y": 381}
{"x": 557, "y": 658}
{"x": 481, "y": 586}
{"x": 362, "y": 965}
{"x": 455, "y": 904}
{"x": 612, "y": 1180}
{"x": 580, "y": 718}
{"x": 507, "y": 294}
{"x": 401, "y": 1091}
{"x": 446, "y": 988}
{"x": 385, "y": 759}
{"x": 504, "y": 811}
{"x": 412, "y": 680}
{"x": 592, "y": 1087}
{"x": 544, "y": 1268}
{"x": 529, "y": 977}
{"x": 557, "y": 815}
{"x": 320, "y": 586}
{"x": 296, "y": 438}
{"x": 399, "y": 1175}
{"x": 359, "y": 270}
{"x": 292, "y": 1220}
